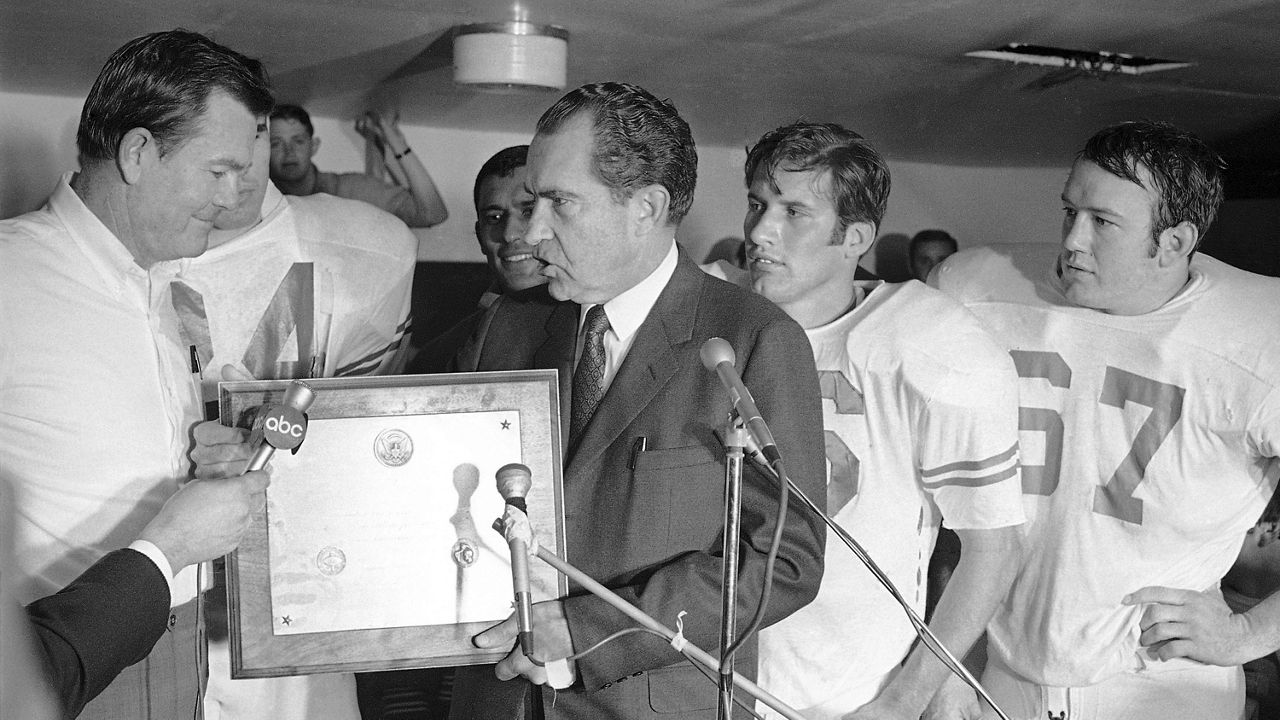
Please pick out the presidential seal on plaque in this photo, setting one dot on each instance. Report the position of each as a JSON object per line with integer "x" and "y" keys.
{"x": 393, "y": 448}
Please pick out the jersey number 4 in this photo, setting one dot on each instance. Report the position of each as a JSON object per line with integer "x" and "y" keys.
{"x": 1115, "y": 498}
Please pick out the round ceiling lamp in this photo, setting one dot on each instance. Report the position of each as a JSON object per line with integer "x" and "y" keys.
{"x": 513, "y": 55}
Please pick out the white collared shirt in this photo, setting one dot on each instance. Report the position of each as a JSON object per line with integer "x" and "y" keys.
{"x": 626, "y": 313}
{"x": 96, "y": 394}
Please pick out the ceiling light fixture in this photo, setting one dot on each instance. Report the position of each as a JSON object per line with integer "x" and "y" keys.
{"x": 507, "y": 56}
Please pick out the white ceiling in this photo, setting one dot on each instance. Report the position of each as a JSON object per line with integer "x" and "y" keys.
{"x": 892, "y": 69}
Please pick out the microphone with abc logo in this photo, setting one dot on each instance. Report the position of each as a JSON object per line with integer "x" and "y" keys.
{"x": 283, "y": 426}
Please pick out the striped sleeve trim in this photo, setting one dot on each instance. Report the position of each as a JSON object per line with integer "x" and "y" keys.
{"x": 369, "y": 364}
{"x": 973, "y": 473}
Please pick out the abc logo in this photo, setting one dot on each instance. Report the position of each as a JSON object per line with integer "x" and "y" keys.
{"x": 280, "y": 424}
{"x": 284, "y": 427}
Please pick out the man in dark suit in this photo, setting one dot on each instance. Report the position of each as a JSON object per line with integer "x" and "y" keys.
{"x": 613, "y": 170}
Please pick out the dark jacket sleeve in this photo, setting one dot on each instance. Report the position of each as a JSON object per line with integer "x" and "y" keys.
{"x": 104, "y": 621}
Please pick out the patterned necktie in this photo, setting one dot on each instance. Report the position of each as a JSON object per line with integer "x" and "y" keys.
{"x": 588, "y": 379}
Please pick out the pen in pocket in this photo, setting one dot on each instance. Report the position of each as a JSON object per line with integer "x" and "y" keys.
{"x": 638, "y": 446}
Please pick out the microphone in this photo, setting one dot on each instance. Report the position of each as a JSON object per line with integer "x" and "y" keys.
{"x": 514, "y": 481}
{"x": 717, "y": 355}
{"x": 284, "y": 426}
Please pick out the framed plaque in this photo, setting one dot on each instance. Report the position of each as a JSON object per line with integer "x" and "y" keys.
{"x": 375, "y": 550}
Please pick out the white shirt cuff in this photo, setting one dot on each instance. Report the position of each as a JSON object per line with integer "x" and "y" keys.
{"x": 157, "y": 556}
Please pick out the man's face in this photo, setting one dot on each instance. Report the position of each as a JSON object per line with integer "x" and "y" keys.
{"x": 582, "y": 237}
{"x": 790, "y": 229}
{"x": 253, "y": 188}
{"x": 928, "y": 255}
{"x": 1106, "y": 260}
{"x": 178, "y": 196}
{"x": 291, "y": 150}
{"x": 502, "y": 215}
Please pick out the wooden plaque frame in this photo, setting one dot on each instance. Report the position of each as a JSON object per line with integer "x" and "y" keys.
{"x": 256, "y": 650}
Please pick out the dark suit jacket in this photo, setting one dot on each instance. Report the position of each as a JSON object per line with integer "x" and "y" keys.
{"x": 437, "y": 355}
{"x": 650, "y": 526}
{"x": 104, "y": 621}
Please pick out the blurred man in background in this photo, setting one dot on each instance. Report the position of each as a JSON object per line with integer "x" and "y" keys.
{"x": 293, "y": 144}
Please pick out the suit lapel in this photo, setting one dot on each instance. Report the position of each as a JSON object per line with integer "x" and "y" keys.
{"x": 649, "y": 364}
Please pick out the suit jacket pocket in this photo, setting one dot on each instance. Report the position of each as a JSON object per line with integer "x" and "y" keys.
{"x": 679, "y": 689}
{"x": 688, "y": 456}
{"x": 686, "y": 487}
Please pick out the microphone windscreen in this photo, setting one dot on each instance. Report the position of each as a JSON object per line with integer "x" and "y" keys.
{"x": 299, "y": 395}
{"x": 514, "y": 481}
{"x": 715, "y": 351}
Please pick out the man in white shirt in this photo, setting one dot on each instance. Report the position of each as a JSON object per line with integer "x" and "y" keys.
{"x": 97, "y": 399}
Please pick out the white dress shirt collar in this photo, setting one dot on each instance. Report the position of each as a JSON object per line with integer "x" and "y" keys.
{"x": 627, "y": 312}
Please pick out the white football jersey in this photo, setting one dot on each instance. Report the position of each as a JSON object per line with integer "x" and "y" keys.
{"x": 920, "y": 415}
{"x": 319, "y": 288}
{"x": 1148, "y": 443}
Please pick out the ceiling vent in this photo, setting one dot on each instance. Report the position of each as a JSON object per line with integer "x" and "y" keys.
{"x": 1073, "y": 64}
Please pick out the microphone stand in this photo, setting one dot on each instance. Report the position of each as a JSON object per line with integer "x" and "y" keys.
{"x": 735, "y": 439}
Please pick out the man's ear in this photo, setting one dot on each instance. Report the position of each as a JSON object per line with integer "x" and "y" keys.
{"x": 1178, "y": 242}
{"x": 649, "y": 207}
{"x": 858, "y": 238}
{"x": 315, "y": 146}
{"x": 137, "y": 150}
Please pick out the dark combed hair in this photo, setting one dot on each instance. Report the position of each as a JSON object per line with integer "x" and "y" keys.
{"x": 859, "y": 176}
{"x": 639, "y": 140}
{"x": 162, "y": 82}
{"x": 293, "y": 112}
{"x": 1187, "y": 174}
{"x": 502, "y": 164}
{"x": 925, "y": 236}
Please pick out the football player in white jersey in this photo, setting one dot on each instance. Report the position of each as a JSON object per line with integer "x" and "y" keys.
{"x": 313, "y": 286}
{"x": 1150, "y": 430}
{"x": 920, "y": 419}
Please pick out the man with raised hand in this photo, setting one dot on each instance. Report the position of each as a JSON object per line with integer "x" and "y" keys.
{"x": 293, "y": 144}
